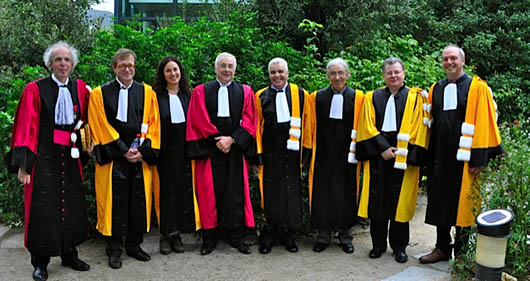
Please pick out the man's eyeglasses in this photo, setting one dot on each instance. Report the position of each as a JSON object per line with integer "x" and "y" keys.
{"x": 126, "y": 66}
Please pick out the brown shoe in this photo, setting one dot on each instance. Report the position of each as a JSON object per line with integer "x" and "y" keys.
{"x": 435, "y": 256}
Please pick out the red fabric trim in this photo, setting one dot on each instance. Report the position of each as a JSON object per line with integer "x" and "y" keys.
{"x": 25, "y": 130}
{"x": 205, "y": 193}
{"x": 249, "y": 122}
{"x": 198, "y": 125}
{"x": 249, "y": 214}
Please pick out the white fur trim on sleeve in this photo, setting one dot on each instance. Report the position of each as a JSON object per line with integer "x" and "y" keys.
{"x": 353, "y": 134}
{"x": 403, "y": 137}
{"x": 429, "y": 123}
{"x": 424, "y": 94}
{"x": 465, "y": 142}
{"x": 429, "y": 107}
{"x": 88, "y": 88}
{"x": 295, "y": 133}
{"x": 351, "y": 158}
{"x": 296, "y": 122}
{"x": 402, "y": 151}
{"x": 293, "y": 145}
{"x": 352, "y": 146}
{"x": 463, "y": 155}
{"x": 400, "y": 165}
{"x": 425, "y": 120}
{"x": 144, "y": 129}
{"x": 468, "y": 129}
{"x": 425, "y": 105}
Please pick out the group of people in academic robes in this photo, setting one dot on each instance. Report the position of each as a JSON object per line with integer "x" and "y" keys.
{"x": 188, "y": 154}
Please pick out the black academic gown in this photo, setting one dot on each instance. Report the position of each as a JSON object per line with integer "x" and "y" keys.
{"x": 128, "y": 191}
{"x": 174, "y": 170}
{"x": 281, "y": 167}
{"x": 444, "y": 170}
{"x": 228, "y": 170}
{"x": 385, "y": 180}
{"x": 334, "y": 194}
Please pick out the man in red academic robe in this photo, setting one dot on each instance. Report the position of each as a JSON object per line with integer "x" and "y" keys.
{"x": 45, "y": 149}
{"x": 220, "y": 133}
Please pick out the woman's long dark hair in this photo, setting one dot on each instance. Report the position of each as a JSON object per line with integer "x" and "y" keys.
{"x": 160, "y": 83}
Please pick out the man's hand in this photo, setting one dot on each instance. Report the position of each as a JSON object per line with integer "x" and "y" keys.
{"x": 224, "y": 143}
{"x": 90, "y": 151}
{"x": 389, "y": 153}
{"x": 476, "y": 170}
{"x": 133, "y": 155}
{"x": 23, "y": 177}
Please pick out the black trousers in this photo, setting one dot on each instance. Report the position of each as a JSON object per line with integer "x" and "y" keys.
{"x": 398, "y": 234}
{"x": 235, "y": 236}
{"x": 270, "y": 234}
{"x": 43, "y": 261}
{"x": 443, "y": 239}
{"x": 115, "y": 242}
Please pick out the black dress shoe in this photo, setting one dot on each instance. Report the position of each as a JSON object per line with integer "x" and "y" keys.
{"x": 164, "y": 246}
{"x": 207, "y": 249}
{"x": 319, "y": 247}
{"x": 243, "y": 248}
{"x": 290, "y": 246}
{"x": 401, "y": 257}
{"x": 139, "y": 254}
{"x": 265, "y": 249}
{"x": 76, "y": 264}
{"x": 376, "y": 253}
{"x": 40, "y": 274}
{"x": 177, "y": 246}
{"x": 347, "y": 248}
{"x": 115, "y": 262}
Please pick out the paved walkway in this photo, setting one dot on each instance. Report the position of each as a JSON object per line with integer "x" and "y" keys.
{"x": 225, "y": 263}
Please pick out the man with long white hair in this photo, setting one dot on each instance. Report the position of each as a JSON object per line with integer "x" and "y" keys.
{"x": 45, "y": 149}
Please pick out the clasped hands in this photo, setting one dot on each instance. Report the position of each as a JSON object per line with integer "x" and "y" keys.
{"x": 224, "y": 143}
{"x": 133, "y": 155}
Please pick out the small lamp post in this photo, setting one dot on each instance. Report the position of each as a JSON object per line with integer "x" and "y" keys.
{"x": 493, "y": 228}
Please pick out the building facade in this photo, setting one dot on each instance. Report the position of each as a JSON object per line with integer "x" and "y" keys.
{"x": 150, "y": 10}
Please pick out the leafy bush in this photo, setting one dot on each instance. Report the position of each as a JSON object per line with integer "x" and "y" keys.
{"x": 506, "y": 185}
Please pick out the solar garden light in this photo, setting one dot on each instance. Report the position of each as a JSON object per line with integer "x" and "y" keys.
{"x": 493, "y": 228}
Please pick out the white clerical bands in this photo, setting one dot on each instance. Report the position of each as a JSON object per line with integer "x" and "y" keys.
{"x": 351, "y": 155}
{"x": 466, "y": 142}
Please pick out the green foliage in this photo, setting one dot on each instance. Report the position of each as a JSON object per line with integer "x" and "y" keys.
{"x": 421, "y": 68}
{"x": 28, "y": 27}
{"x": 196, "y": 44}
{"x": 506, "y": 185}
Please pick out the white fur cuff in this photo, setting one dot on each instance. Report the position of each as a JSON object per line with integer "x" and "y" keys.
{"x": 295, "y": 133}
{"x": 468, "y": 129}
{"x": 424, "y": 94}
{"x": 465, "y": 142}
{"x": 353, "y": 134}
{"x": 352, "y": 146}
{"x": 144, "y": 129}
{"x": 463, "y": 155}
{"x": 402, "y": 152}
{"x": 296, "y": 122}
{"x": 403, "y": 137}
{"x": 351, "y": 158}
{"x": 400, "y": 165}
{"x": 425, "y": 120}
{"x": 429, "y": 123}
{"x": 293, "y": 145}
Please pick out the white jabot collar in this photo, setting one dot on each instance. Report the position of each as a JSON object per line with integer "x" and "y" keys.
{"x": 64, "y": 107}
{"x": 223, "y": 104}
{"x": 389, "y": 121}
{"x": 176, "y": 110}
{"x": 123, "y": 101}
{"x": 337, "y": 102}
{"x": 282, "y": 107}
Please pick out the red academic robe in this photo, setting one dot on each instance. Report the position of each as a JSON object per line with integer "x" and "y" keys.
{"x": 54, "y": 204}
{"x": 221, "y": 180}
